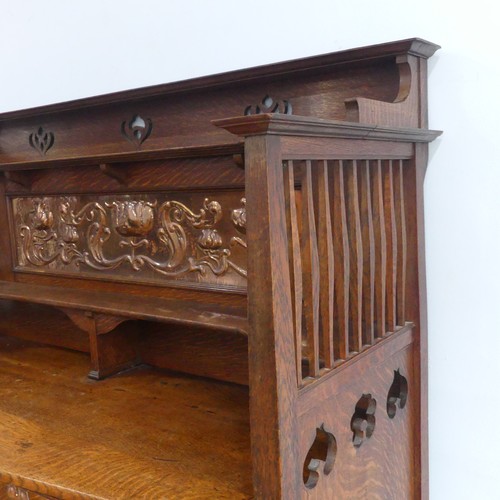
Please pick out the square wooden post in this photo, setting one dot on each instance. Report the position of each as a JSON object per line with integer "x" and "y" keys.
{"x": 273, "y": 387}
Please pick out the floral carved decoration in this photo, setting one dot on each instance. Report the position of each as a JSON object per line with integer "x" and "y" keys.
{"x": 398, "y": 394}
{"x": 363, "y": 420}
{"x": 137, "y": 130}
{"x": 41, "y": 140}
{"x": 160, "y": 237}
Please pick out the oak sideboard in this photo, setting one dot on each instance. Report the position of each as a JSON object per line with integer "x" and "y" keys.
{"x": 215, "y": 288}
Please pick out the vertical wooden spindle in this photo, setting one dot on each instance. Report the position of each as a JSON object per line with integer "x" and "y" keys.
{"x": 326, "y": 263}
{"x": 380, "y": 246}
{"x": 368, "y": 239}
{"x": 310, "y": 272}
{"x": 294, "y": 261}
{"x": 391, "y": 245}
{"x": 356, "y": 259}
{"x": 341, "y": 262}
{"x": 401, "y": 231}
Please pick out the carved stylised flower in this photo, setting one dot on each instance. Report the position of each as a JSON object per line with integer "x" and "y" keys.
{"x": 41, "y": 140}
{"x": 43, "y": 218}
{"x": 69, "y": 234}
{"x": 133, "y": 218}
{"x": 239, "y": 217}
{"x": 137, "y": 130}
{"x": 269, "y": 105}
{"x": 210, "y": 239}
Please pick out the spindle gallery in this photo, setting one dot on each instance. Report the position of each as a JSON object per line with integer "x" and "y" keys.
{"x": 215, "y": 288}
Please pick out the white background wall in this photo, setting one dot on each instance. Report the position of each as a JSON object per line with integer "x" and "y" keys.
{"x": 57, "y": 50}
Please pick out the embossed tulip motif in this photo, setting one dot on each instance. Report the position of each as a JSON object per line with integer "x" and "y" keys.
{"x": 133, "y": 218}
{"x": 43, "y": 218}
{"x": 168, "y": 238}
{"x": 210, "y": 239}
{"x": 69, "y": 234}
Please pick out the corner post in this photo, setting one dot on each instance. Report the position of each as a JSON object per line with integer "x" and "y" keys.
{"x": 273, "y": 387}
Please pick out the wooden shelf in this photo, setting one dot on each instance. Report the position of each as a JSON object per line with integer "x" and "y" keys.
{"x": 213, "y": 316}
{"x": 142, "y": 434}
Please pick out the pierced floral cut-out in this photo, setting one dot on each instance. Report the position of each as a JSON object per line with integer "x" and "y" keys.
{"x": 398, "y": 393}
{"x": 322, "y": 451}
{"x": 41, "y": 140}
{"x": 269, "y": 105}
{"x": 363, "y": 420}
{"x": 137, "y": 130}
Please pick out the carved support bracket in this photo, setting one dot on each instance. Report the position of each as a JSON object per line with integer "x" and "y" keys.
{"x": 405, "y": 110}
{"x": 110, "y": 351}
{"x": 93, "y": 322}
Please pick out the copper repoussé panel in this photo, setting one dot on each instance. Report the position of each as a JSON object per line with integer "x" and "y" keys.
{"x": 188, "y": 239}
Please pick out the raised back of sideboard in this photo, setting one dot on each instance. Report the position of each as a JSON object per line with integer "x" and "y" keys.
{"x": 302, "y": 211}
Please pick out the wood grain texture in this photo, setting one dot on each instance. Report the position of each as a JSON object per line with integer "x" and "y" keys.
{"x": 295, "y": 261}
{"x": 341, "y": 260}
{"x": 399, "y": 197}
{"x": 355, "y": 259}
{"x": 272, "y": 367}
{"x": 368, "y": 238}
{"x": 318, "y": 89}
{"x": 416, "y": 306}
{"x": 391, "y": 246}
{"x": 41, "y": 323}
{"x": 401, "y": 111}
{"x": 415, "y": 46}
{"x": 380, "y": 249}
{"x": 382, "y": 468}
{"x": 190, "y": 314}
{"x": 5, "y": 246}
{"x": 159, "y": 175}
{"x": 217, "y": 355}
{"x": 310, "y": 272}
{"x": 142, "y": 435}
{"x": 326, "y": 263}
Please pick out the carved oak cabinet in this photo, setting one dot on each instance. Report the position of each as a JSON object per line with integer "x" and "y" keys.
{"x": 236, "y": 261}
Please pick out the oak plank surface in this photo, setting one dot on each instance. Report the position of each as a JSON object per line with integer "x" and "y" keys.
{"x": 146, "y": 434}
